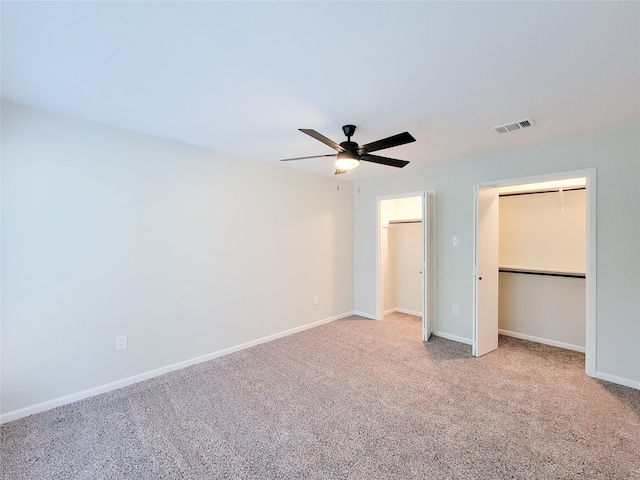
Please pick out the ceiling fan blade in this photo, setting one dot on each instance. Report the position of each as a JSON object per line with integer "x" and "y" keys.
{"x": 394, "y": 141}
{"x": 322, "y": 138}
{"x": 304, "y": 158}
{"x": 392, "y": 162}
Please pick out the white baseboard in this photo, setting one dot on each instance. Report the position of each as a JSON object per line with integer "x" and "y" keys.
{"x": 409, "y": 312}
{"x": 455, "y": 338}
{"x": 402, "y": 310}
{"x": 365, "y": 315}
{"x": 108, "y": 387}
{"x": 531, "y": 338}
{"x": 57, "y": 402}
{"x": 619, "y": 380}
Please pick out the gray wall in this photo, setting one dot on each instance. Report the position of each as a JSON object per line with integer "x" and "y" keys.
{"x": 615, "y": 155}
{"x": 185, "y": 250}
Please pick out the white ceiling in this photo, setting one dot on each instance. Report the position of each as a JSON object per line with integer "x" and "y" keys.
{"x": 242, "y": 77}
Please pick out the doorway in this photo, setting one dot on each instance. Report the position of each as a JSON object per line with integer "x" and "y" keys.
{"x": 486, "y": 264}
{"x": 405, "y": 273}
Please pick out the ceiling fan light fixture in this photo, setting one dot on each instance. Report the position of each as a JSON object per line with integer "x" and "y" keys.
{"x": 347, "y": 161}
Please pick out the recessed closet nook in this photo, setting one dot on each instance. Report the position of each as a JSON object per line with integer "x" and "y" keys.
{"x": 542, "y": 256}
{"x": 401, "y": 255}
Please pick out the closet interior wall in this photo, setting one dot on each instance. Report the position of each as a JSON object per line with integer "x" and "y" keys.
{"x": 542, "y": 265}
{"x": 401, "y": 250}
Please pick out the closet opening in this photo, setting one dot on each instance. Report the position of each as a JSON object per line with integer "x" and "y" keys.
{"x": 534, "y": 263}
{"x": 542, "y": 263}
{"x": 405, "y": 273}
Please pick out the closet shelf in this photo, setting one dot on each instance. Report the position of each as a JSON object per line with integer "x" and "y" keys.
{"x": 553, "y": 272}
{"x": 400, "y": 222}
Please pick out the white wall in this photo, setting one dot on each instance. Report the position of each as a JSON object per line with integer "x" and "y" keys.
{"x": 544, "y": 231}
{"x": 388, "y": 254}
{"x": 407, "y": 208}
{"x": 187, "y": 251}
{"x": 614, "y": 154}
{"x": 408, "y": 245}
{"x": 543, "y": 309}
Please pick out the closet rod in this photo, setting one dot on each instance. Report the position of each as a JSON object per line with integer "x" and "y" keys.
{"x": 396, "y": 222}
{"x": 541, "y": 191}
{"x": 548, "y": 274}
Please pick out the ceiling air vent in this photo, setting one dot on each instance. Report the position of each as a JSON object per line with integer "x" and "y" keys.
{"x": 510, "y": 127}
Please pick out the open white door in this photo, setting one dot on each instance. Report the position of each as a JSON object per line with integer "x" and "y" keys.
{"x": 427, "y": 267}
{"x": 485, "y": 337}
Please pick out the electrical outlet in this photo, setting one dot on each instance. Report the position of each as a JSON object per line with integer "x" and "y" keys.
{"x": 121, "y": 342}
{"x": 315, "y": 300}
{"x": 455, "y": 310}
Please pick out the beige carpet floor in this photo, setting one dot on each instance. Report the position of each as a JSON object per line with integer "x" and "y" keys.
{"x": 353, "y": 399}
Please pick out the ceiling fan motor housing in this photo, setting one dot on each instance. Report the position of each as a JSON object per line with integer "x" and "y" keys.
{"x": 349, "y": 146}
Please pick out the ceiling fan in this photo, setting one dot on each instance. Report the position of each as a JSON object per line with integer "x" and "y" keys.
{"x": 350, "y": 153}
